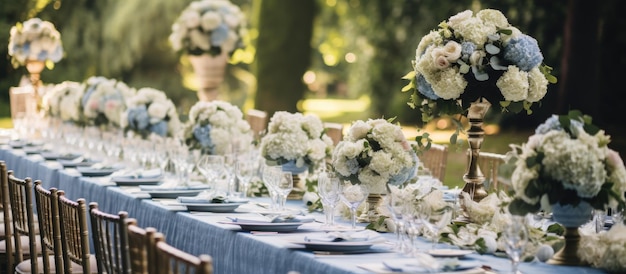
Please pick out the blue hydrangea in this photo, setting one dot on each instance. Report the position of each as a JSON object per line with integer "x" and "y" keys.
{"x": 159, "y": 128}
{"x": 138, "y": 118}
{"x": 523, "y": 52}
{"x": 202, "y": 134}
{"x": 219, "y": 35}
{"x": 425, "y": 88}
{"x": 406, "y": 173}
{"x": 467, "y": 48}
{"x": 553, "y": 123}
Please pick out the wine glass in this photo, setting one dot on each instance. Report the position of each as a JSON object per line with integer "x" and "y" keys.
{"x": 516, "y": 236}
{"x": 211, "y": 167}
{"x": 284, "y": 186}
{"x": 395, "y": 205}
{"x": 270, "y": 175}
{"x": 353, "y": 196}
{"x": 245, "y": 170}
{"x": 328, "y": 188}
{"x": 437, "y": 219}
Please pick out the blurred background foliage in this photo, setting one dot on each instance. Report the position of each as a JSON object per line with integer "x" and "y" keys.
{"x": 358, "y": 51}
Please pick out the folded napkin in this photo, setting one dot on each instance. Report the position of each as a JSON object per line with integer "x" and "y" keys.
{"x": 276, "y": 219}
{"x": 141, "y": 174}
{"x": 424, "y": 263}
{"x": 172, "y": 187}
{"x": 336, "y": 236}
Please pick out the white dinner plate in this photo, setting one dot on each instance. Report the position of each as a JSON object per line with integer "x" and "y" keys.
{"x": 74, "y": 163}
{"x": 173, "y": 193}
{"x": 261, "y": 226}
{"x": 95, "y": 172}
{"x": 212, "y": 207}
{"x": 51, "y": 155}
{"x": 348, "y": 246}
{"x": 132, "y": 181}
{"x": 449, "y": 252}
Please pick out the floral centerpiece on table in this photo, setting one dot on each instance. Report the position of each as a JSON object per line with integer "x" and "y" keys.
{"x": 606, "y": 250}
{"x": 295, "y": 140}
{"x": 567, "y": 161}
{"x": 374, "y": 153}
{"x": 472, "y": 57}
{"x": 35, "y": 39}
{"x": 214, "y": 126}
{"x": 63, "y": 101}
{"x": 150, "y": 111}
{"x": 105, "y": 100}
{"x": 208, "y": 26}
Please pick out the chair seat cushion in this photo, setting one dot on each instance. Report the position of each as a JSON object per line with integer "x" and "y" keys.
{"x": 24, "y": 267}
{"x": 24, "y": 245}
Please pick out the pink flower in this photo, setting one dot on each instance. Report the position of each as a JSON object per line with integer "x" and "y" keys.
{"x": 613, "y": 159}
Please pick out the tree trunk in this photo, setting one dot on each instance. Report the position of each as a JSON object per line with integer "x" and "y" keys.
{"x": 283, "y": 53}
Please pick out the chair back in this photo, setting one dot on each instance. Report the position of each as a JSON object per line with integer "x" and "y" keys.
{"x": 74, "y": 232}
{"x": 489, "y": 164}
{"x": 139, "y": 242}
{"x": 110, "y": 240}
{"x": 334, "y": 131}
{"x": 21, "y": 198}
{"x": 49, "y": 227}
{"x": 257, "y": 120}
{"x": 435, "y": 159}
{"x": 4, "y": 192}
{"x": 171, "y": 260}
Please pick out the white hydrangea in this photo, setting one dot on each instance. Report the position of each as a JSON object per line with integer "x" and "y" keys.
{"x": 537, "y": 85}
{"x": 514, "y": 84}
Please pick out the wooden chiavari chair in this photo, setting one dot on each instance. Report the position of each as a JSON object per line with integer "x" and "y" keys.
{"x": 171, "y": 260}
{"x": 139, "y": 242}
{"x": 435, "y": 160}
{"x": 110, "y": 240}
{"x": 6, "y": 257}
{"x": 25, "y": 242}
{"x": 75, "y": 236}
{"x": 489, "y": 164}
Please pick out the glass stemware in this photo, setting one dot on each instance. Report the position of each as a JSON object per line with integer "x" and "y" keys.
{"x": 353, "y": 196}
{"x": 284, "y": 186}
{"x": 437, "y": 218}
{"x": 270, "y": 175}
{"x": 244, "y": 169}
{"x": 211, "y": 167}
{"x": 395, "y": 205}
{"x": 328, "y": 188}
{"x": 516, "y": 236}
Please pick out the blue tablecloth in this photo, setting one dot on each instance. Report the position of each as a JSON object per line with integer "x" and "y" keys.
{"x": 233, "y": 251}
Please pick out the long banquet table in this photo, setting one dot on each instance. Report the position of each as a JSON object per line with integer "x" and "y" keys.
{"x": 233, "y": 250}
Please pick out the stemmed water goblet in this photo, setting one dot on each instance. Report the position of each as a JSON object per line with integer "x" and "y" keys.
{"x": 284, "y": 186}
{"x": 395, "y": 205}
{"x": 244, "y": 169}
{"x": 211, "y": 167}
{"x": 270, "y": 175}
{"x": 516, "y": 236}
{"x": 437, "y": 219}
{"x": 328, "y": 188}
{"x": 353, "y": 196}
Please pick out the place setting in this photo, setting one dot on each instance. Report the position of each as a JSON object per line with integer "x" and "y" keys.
{"x": 138, "y": 177}
{"x": 342, "y": 242}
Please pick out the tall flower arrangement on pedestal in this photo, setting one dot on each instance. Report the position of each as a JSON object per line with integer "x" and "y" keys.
{"x": 150, "y": 111}
{"x": 35, "y": 39}
{"x": 472, "y": 57}
{"x": 208, "y": 26}
{"x": 63, "y": 101}
{"x": 567, "y": 161}
{"x": 295, "y": 139}
{"x": 214, "y": 126}
{"x": 105, "y": 100}
{"x": 374, "y": 153}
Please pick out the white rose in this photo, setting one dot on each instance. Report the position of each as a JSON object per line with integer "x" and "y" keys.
{"x": 210, "y": 20}
{"x": 358, "y": 130}
{"x": 452, "y": 51}
{"x": 459, "y": 18}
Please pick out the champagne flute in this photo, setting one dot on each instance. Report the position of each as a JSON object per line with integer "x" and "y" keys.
{"x": 353, "y": 196}
{"x": 328, "y": 188}
{"x": 284, "y": 186}
{"x": 516, "y": 237}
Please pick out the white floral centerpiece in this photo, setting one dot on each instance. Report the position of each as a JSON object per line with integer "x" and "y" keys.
{"x": 471, "y": 57}
{"x": 63, "y": 101}
{"x": 606, "y": 250}
{"x": 150, "y": 111}
{"x": 374, "y": 153}
{"x": 567, "y": 162}
{"x": 214, "y": 126}
{"x": 295, "y": 140}
{"x": 208, "y": 26}
{"x": 105, "y": 100}
{"x": 35, "y": 40}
